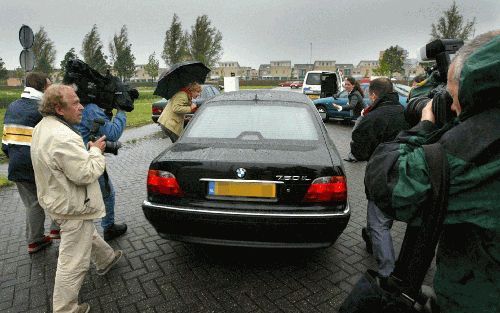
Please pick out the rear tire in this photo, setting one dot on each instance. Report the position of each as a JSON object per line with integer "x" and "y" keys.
{"x": 322, "y": 113}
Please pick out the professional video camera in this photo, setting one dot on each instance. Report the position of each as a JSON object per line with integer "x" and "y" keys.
{"x": 108, "y": 92}
{"x": 111, "y": 146}
{"x": 442, "y": 51}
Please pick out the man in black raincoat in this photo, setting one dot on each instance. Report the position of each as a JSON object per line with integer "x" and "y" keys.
{"x": 381, "y": 122}
{"x": 468, "y": 256}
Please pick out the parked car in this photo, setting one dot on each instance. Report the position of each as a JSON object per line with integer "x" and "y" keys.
{"x": 255, "y": 168}
{"x": 322, "y": 84}
{"x": 207, "y": 92}
{"x": 285, "y": 84}
{"x": 327, "y": 111}
{"x": 296, "y": 84}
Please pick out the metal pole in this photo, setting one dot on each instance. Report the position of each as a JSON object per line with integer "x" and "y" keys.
{"x": 311, "y": 53}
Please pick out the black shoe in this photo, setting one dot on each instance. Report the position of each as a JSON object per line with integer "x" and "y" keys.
{"x": 114, "y": 231}
{"x": 368, "y": 242}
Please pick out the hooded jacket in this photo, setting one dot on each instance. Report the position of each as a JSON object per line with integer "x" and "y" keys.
{"x": 468, "y": 256}
{"x": 65, "y": 172}
{"x": 384, "y": 121}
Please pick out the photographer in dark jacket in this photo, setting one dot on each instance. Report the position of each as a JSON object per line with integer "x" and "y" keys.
{"x": 380, "y": 122}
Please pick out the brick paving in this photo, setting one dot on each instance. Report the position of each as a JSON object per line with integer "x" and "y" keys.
{"x": 157, "y": 275}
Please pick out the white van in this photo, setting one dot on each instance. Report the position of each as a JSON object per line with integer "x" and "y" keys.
{"x": 322, "y": 84}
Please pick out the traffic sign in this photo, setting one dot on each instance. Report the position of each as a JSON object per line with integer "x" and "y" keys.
{"x": 27, "y": 60}
{"x": 26, "y": 37}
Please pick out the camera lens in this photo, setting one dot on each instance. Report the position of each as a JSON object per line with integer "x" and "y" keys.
{"x": 112, "y": 147}
{"x": 413, "y": 112}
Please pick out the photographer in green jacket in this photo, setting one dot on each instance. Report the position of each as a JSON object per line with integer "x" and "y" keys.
{"x": 468, "y": 256}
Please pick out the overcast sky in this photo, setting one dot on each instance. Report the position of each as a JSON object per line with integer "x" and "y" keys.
{"x": 254, "y": 32}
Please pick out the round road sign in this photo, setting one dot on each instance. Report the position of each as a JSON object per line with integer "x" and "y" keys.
{"x": 26, "y": 37}
{"x": 27, "y": 60}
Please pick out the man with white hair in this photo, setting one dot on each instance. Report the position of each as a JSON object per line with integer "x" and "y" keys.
{"x": 468, "y": 256}
{"x": 66, "y": 175}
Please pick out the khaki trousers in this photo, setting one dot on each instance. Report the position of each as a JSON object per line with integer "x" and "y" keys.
{"x": 80, "y": 244}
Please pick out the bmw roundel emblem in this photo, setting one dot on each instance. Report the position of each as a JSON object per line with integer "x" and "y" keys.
{"x": 241, "y": 172}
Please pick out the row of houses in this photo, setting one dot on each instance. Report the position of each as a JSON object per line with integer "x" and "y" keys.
{"x": 284, "y": 70}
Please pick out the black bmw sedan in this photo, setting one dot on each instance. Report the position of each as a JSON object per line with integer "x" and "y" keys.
{"x": 254, "y": 168}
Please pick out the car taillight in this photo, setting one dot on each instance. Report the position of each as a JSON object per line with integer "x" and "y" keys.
{"x": 164, "y": 183}
{"x": 327, "y": 189}
{"x": 156, "y": 110}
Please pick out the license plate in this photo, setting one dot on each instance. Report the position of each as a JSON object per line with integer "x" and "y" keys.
{"x": 313, "y": 97}
{"x": 243, "y": 189}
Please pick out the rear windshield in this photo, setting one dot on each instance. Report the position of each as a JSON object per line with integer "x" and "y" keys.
{"x": 248, "y": 121}
{"x": 313, "y": 79}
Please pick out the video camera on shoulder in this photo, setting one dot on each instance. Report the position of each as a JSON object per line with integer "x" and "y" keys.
{"x": 108, "y": 92}
{"x": 442, "y": 51}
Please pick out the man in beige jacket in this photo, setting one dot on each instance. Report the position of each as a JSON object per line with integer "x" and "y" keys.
{"x": 66, "y": 176}
{"x": 171, "y": 119}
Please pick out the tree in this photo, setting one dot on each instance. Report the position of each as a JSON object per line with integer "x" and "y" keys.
{"x": 391, "y": 62}
{"x": 3, "y": 70}
{"x": 92, "y": 51}
{"x": 451, "y": 25}
{"x": 205, "y": 42}
{"x": 153, "y": 66}
{"x": 175, "y": 47}
{"x": 70, "y": 55}
{"x": 122, "y": 58}
{"x": 45, "y": 53}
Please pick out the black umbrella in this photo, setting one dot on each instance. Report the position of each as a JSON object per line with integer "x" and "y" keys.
{"x": 180, "y": 75}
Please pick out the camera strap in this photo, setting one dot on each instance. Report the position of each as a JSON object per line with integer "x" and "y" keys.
{"x": 106, "y": 181}
{"x": 419, "y": 244}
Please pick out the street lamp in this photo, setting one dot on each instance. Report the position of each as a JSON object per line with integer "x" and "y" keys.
{"x": 311, "y": 53}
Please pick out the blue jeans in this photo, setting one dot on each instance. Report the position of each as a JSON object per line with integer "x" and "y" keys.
{"x": 379, "y": 229}
{"x": 109, "y": 202}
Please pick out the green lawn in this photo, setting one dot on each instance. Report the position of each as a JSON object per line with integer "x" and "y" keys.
{"x": 142, "y": 107}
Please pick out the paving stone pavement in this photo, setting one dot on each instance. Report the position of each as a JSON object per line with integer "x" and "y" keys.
{"x": 157, "y": 275}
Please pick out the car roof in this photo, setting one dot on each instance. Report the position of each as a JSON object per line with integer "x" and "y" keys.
{"x": 262, "y": 95}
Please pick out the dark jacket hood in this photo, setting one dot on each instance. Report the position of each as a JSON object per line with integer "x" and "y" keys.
{"x": 479, "y": 88}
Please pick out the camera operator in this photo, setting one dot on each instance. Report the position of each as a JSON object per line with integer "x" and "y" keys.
{"x": 112, "y": 129}
{"x": 66, "y": 176}
{"x": 468, "y": 256}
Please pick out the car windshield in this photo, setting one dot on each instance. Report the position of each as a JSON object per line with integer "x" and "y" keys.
{"x": 249, "y": 121}
{"x": 313, "y": 79}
